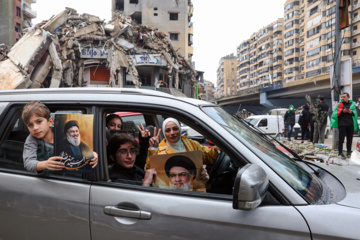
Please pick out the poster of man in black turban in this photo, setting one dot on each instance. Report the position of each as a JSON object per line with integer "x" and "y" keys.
{"x": 179, "y": 171}
{"x": 74, "y": 140}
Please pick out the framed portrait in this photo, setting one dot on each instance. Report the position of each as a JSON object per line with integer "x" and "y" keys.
{"x": 179, "y": 171}
{"x": 73, "y": 134}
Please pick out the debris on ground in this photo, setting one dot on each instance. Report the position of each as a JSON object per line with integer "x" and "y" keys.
{"x": 310, "y": 152}
{"x": 54, "y": 52}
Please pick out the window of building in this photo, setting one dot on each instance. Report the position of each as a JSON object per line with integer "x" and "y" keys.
{"x": 155, "y": 8}
{"x": 355, "y": 15}
{"x": 155, "y": 14}
{"x": 354, "y": 53}
{"x": 174, "y": 16}
{"x": 354, "y": 40}
{"x": 355, "y": 27}
{"x": 17, "y": 27}
{"x": 134, "y": 1}
{"x": 18, "y": 12}
{"x": 174, "y": 36}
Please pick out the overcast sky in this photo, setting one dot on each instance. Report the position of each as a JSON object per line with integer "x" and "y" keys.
{"x": 219, "y": 26}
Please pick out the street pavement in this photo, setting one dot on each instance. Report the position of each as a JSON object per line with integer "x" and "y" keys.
{"x": 328, "y": 142}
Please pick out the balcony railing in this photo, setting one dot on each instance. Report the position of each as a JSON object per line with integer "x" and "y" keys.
{"x": 356, "y": 6}
{"x": 29, "y": 12}
{"x": 355, "y": 44}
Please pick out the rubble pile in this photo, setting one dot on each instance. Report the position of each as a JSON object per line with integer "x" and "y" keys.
{"x": 307, "y": 151}
{"x": 50, "y": 54}
{"x": 3, "y": 51}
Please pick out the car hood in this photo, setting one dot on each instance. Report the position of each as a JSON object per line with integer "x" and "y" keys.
{"x": 349, "y": 176}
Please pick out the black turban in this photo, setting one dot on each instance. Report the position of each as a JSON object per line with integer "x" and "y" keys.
{"x": 180, "y": 161}
{"x": 69, "y": 124}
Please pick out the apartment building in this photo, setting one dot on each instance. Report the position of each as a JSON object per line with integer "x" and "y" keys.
{"x": 226, "y": 76}
{"x": 208, "y": 93}
{"x": 15, "y": 15}
{"x": 260, "y": 58}
{"x": 172, "y": 17}
{"x": 299, "y": 47}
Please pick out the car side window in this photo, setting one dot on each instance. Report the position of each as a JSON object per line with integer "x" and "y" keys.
{"x": 220, "y": 168}
{"x": 263, "y": 123}
{"x": 12, "y": 143}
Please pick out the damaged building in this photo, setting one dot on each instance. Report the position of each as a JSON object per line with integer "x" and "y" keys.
{"x": 73, "y": 50}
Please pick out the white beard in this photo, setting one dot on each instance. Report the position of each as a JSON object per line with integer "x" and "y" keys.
{"x": 187, "y": 186}
{"x": 73, "y": 141}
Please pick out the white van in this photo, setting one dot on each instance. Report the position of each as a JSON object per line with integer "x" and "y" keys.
{"x": 270, "y": 124}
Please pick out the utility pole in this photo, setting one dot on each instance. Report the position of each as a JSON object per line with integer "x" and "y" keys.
{"x": 337, "y": 64}
{"x": 337, "y": 69}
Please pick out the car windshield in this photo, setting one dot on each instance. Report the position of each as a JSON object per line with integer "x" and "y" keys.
{"x": 252, "y": 121}
{"x": 305, "y": 183}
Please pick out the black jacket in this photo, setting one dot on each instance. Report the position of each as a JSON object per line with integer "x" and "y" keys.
{"x": 289, "y": 117}
{"x": 345, "y": 119}
{"x": 135, "y": 174}
{"x": 305, "y": 117}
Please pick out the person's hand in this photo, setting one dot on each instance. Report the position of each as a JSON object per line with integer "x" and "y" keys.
{"x": 150, "y": 177}
{"x": 218, "y": 150}
{"x": 52, "y": 164}
{"x": 204, "y": 176}
{"x": 94, "y": 160}
{"x": 154, "y": 141}
{"x": 144, "y": 132}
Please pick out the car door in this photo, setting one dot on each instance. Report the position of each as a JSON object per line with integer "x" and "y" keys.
{"x": 37, "y": 206}
{"x": 263, "y": 125}
{"x": 135, "y": 212}
{"x": 129, "y": 211}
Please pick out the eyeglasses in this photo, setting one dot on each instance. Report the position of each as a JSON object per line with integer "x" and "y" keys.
{"x": 125, "y": 152}
{"x": 181, "y": 175}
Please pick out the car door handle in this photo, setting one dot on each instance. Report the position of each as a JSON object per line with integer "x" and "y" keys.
{"x": 118, "y": 212}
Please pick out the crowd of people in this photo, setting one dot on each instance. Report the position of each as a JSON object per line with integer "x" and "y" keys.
{"x": 313, "y": 122}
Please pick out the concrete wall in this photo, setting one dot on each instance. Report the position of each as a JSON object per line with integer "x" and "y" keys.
{"x": 156, "y": 13}
{"x": 6, "y": 22}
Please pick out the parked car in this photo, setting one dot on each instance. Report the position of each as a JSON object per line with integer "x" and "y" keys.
{"x": 270, "y": 196}
{"x": 270, "y": 124}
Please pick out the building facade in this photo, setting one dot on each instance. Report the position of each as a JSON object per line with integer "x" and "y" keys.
{"x": 15, "y": 15}
{"x": 260, "y": 58}
{"x": 226, "y": 76}
{"x": 297, "y": 48}
{"x": 171, "y": 17}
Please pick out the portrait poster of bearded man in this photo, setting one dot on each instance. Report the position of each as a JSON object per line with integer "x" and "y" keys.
{"x": 180, "y": 171}
{"x": 74, "y": 140}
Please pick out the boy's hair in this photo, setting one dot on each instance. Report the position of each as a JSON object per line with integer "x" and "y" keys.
{"x": 37, "y": 108}
{"x": 119, "y": 139}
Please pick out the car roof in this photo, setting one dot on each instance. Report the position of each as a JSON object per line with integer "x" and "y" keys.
{"x": 87, "y": 93}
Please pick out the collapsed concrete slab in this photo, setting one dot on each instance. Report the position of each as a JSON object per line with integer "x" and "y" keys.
{"x": 72, "y": 50}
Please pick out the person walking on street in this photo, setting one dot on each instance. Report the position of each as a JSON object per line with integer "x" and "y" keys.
{"x": 289, "y": 120}
{"x": 304, "y": 122}
{"x": 344, "y": 117}
{"x": 321, "y": 120}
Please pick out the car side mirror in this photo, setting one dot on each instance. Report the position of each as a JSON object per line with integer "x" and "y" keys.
{"x": 250, "y": 187}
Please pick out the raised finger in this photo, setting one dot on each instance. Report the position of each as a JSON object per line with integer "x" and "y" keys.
{"x": 155, "y": 131}
{"x": 158, "y": 134}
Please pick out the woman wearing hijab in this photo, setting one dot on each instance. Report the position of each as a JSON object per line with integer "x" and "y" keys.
{"x": 175, "y": 143}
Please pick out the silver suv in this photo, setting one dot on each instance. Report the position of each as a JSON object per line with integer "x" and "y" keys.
{"x": 254, "y": 191}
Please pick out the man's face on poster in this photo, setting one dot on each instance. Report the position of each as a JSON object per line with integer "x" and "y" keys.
{"x": 180, "y": 178}
{"x": 73, "y": 136}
